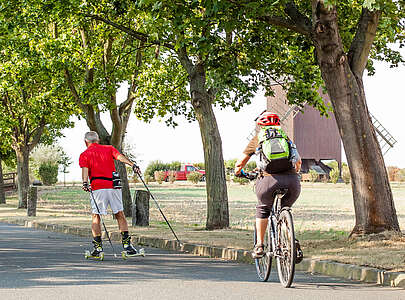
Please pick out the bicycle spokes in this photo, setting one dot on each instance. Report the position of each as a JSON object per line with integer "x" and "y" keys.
{"x": 286, "y": 257}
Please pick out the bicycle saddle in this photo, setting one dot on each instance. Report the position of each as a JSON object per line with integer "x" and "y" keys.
{"x": 280, "y": 192}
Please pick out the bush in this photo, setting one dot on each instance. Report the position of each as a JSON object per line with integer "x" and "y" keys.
{"x": 230, "y": 166}
{"x": 172, "y": 176}
{"x": 154, "y": 166}
{"x": 393, "y": 173}
{"x": 334, "y": 175}
{"x": 148, "y": 179}
{"x": 160, "y": 176}
{"x": 48, "y": 173}
{"x": 346, "y": 175}
{"x": 199, "y": 165}
{"x": 173, "y": 166}
{"x": 240, "y": 180}
{"x": 314, "y": 175}
{"x": 194, "y": 177}
{"x": 250, "y": 166}
{"x": 401, "y": 175}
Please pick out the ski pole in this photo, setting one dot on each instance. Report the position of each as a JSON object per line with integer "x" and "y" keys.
{"x": 157, "y": 204}
{"x": 102, "y": 221}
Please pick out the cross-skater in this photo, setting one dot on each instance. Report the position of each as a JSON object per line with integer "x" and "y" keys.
{"x": 97, "y": 163}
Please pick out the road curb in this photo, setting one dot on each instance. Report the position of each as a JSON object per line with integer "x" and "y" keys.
{"x": 325, "y": 267}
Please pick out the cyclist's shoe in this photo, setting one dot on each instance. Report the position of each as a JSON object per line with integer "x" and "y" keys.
{"x": 258, "y": 251}
{"x": 300, "y": 254}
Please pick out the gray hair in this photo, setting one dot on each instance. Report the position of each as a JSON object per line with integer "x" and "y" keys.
{"x": 91, "y": 137}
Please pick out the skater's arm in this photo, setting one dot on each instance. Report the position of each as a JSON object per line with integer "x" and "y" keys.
{"x": 125, "y": 160}
{"x": 85, "y": 174}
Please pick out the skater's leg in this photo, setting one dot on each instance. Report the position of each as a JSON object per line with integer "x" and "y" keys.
{"x": 96, "y": 225}
{"x": 122, "y": 222}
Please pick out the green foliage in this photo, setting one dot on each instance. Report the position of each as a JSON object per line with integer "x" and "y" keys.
{"x": 199, "y": 165}
{"x": 172, "y": 176}
{"x": 52, "y": 154}
{"x": 154, "y": 166}
{"x": 240, "y": 180}
{"x": 250, "y": 166}
{"x": 334, "y": 175}
{"x": 48, "y": 173}
{"x": 346, "y": 175}
{"x": 174, "y": 166}
{"x": 230, "y": 166}
{"x": 401, "y": 175}
{"x": 314, "y": 175}
{"x": 194, "y": 177}
{"x": 148, "y": 179}
{"x": 159, "y": 176}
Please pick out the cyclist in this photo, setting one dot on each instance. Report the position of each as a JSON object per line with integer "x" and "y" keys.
{"x": 267, "y": 183}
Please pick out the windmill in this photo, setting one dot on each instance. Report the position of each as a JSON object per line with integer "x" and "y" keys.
{"x": 316, "y": 137}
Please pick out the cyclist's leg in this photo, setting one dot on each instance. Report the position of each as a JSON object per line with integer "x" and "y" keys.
{"x": 294, "y": 189}
{"x": 264, "y": 192}
{"x": 261, "y": 226}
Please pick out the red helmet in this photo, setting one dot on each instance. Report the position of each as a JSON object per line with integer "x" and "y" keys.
{"x": 268, "y": 119}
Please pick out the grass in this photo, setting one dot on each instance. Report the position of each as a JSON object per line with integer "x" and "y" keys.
{"x": 323, "y": 217}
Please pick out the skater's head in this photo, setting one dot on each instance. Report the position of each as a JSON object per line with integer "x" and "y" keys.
{"x": 91, "y": 137}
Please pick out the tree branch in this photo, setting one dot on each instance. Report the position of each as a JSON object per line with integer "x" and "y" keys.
{"x": 185, "y": 61}
{"x": 363, "y": 40}
{"x": 136, "y": 34}
{"x": 36, "y": 134}
{"x": 303, "y": 23}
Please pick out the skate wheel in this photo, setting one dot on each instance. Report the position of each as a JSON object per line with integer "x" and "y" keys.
{"x": 124, "y": 255}
{"x": 101, "y": 256}
{"x": 86, "y": 254}
{"x": 142, "y": 252}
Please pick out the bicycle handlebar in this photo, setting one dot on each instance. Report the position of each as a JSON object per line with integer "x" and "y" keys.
{"x": 248, "y": 175}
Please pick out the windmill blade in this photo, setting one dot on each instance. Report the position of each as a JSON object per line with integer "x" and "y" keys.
{"x": 385, "y": 139}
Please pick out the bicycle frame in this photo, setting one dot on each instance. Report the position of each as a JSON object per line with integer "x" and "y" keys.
{"x": 273, "y": 220}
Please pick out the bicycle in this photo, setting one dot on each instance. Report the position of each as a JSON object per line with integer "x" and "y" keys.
{"x": 279, "y": 242}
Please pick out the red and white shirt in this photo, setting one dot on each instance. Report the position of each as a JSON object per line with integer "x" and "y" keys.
{"x": 99, "y": 159}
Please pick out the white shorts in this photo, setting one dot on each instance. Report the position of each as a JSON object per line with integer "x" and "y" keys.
{"x": 105, "y": 197}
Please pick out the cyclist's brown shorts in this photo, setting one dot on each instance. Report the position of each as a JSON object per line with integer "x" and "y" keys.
{"x": 267, "y": 185}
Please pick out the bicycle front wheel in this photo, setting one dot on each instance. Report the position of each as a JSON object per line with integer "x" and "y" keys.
{"x": 263, "y": 264}
{"x": 286, "y": 251}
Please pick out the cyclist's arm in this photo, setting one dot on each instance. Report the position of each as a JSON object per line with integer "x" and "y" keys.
{"x": 298, "y": 165}
{"x": 241, "y": 163}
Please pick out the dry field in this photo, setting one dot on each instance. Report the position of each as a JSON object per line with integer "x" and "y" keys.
{"x": 323, "y": 217}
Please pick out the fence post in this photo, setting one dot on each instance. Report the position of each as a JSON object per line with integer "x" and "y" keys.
{"x": 140, "y": 208}
{"x": 32, "y": 201}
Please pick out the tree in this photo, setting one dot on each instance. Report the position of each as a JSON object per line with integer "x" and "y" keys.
{"x": 344, "y": 35}
{"x": 200, "y": 48}
{"x": 102, "y": 59}
{"x": 33, "y": 102}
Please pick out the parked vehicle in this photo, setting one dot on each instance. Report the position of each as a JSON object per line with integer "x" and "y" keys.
{"x": 184, "y": 170}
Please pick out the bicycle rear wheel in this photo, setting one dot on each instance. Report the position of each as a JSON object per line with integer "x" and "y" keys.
{"x": 263, "y": 264}
{"x": 286, "y": 253}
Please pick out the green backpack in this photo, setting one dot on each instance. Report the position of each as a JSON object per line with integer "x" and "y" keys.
{"x": 274, "y": 150}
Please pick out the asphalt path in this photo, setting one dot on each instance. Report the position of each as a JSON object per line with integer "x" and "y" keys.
{"x": 44, "y": 265}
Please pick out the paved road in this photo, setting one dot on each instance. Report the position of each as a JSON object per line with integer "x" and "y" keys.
{"x": 45, "y": 265}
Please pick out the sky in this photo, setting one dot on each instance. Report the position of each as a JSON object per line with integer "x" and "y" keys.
{"x": 385, "y": 93}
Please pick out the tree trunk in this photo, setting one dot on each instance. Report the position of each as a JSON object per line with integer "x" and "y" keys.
{"x": 217, "y": 196}
{"x": 373, "y": 201}
{"x": 23, "y": 176}
{"x": 2, "y": 192}
{"x": 126, "y": 193}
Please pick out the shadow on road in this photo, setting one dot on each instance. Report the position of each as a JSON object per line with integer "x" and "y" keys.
{"x": 33, "y": 258}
